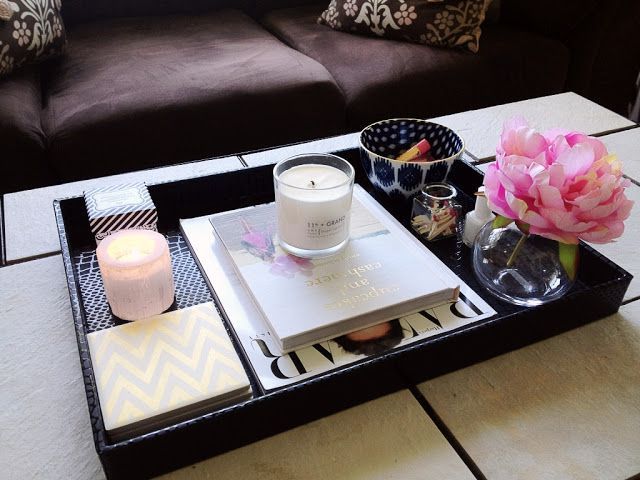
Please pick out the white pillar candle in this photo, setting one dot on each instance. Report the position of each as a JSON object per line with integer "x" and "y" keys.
{"x": 136, "y": 273}
{"x": 313, "y": 201}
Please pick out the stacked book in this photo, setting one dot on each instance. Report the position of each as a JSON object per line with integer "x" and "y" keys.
{"x": 158, "y": 371}
{"x": 381, "y": 275}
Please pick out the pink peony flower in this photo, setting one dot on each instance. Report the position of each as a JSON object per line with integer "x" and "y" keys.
{"x": 564, "y": 185}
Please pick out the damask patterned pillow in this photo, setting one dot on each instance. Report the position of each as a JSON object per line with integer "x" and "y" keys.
{"x": 442, "y": 23}
{"x": 30, "y": 30}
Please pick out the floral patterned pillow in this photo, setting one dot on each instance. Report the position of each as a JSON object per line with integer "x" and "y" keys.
{"x": 442, "y": 23}
{"x": 30, "y": 30}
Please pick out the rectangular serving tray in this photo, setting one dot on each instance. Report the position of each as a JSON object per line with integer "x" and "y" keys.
{"x": 598, "y": 292}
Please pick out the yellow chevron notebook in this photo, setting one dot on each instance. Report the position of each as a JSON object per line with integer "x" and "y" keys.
{"x": 165, "y": 369}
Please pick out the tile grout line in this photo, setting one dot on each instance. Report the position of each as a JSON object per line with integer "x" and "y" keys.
{"x": 32, "y": 258}
{"x": 635, "y": 182}
{"x": 480, "y": 161}
{"x": 485, "y": 160}
{"x": 446, "y": 433}
{"x": 620, "y": 130}
{"x": 630, "y": 300}
{"x": 616, "y": 130}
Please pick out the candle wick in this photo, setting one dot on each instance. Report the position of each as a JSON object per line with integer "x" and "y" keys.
{"x": 313, "y": 184}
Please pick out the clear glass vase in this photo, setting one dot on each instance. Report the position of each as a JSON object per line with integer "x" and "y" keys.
{"x": 518, "y": 268}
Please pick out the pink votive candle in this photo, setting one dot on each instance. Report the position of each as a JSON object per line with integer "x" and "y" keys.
{"x": 136, "y": 273}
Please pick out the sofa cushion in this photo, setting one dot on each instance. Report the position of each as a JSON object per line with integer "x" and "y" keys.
{"x": 29, "y": 32}
{"x": 385, "y": 78}
{"x": 261, "y": 7}
{"x": 82, "y": 11}
{"x": 133, "y": 93}
{"x": 22, "y": 141}
{"x": 446, "y": 23}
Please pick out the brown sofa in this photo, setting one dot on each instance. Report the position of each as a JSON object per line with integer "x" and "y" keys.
{"x": 205, "y": 78}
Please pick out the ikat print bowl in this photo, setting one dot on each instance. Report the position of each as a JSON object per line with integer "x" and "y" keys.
{"x": 383, "y": 141}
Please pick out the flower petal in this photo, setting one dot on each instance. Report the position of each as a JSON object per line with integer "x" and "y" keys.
{"x": 550, "y": 197}
{"x": 518, "y": 138}
{"x": 577, "y": 160}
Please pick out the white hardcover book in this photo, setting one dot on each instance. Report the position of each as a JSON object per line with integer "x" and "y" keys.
{"x": 381, "y": 275}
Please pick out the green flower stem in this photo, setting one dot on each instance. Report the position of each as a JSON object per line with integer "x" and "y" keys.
{"x": 516, "y": 250}
{"x": 569, "y": 258}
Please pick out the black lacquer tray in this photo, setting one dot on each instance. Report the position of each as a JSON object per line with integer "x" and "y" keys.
{"x": 598, "y": 292}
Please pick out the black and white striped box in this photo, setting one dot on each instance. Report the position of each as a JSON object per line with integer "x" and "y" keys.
{"x": 119, "y": 207}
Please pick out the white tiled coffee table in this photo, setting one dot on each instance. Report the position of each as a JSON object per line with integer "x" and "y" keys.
{"x": 567, "y": 407}
{"x": 564, "y": 408}
{"x": 29, "y": 221}
{"x": 45, "y": 431}
{"x": 481, "y": 128}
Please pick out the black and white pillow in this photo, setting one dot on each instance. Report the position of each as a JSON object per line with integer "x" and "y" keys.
{"x": 30, "y": 31}
{"x": 441, "y": 23}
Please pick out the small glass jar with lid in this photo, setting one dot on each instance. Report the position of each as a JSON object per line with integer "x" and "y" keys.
{"x": 436, "y": 212}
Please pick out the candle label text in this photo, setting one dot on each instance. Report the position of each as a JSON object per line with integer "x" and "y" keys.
{"x": 328, "y": 228}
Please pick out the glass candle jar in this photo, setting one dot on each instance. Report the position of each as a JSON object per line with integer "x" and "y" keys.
{"x": 313, "y": 203}
{"x": 436, "y": 212}
{"x": 136, "y": 272}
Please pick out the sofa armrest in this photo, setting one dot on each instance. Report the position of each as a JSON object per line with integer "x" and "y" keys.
{"x": 605, "y": 58}
{"x": 22, "y": 140}
{"x": 616, "y": 65}
{"x": 558, "y": 19}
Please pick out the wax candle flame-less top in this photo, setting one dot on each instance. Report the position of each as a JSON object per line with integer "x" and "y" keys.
{"x": 128, "y": 251}
{"x": 311, "y": 178}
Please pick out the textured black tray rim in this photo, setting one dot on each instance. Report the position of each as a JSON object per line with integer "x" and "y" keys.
{"x": 390, "y": 368}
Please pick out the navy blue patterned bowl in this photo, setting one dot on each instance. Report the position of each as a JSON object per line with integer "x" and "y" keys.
{"x": 382, "y": 142}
